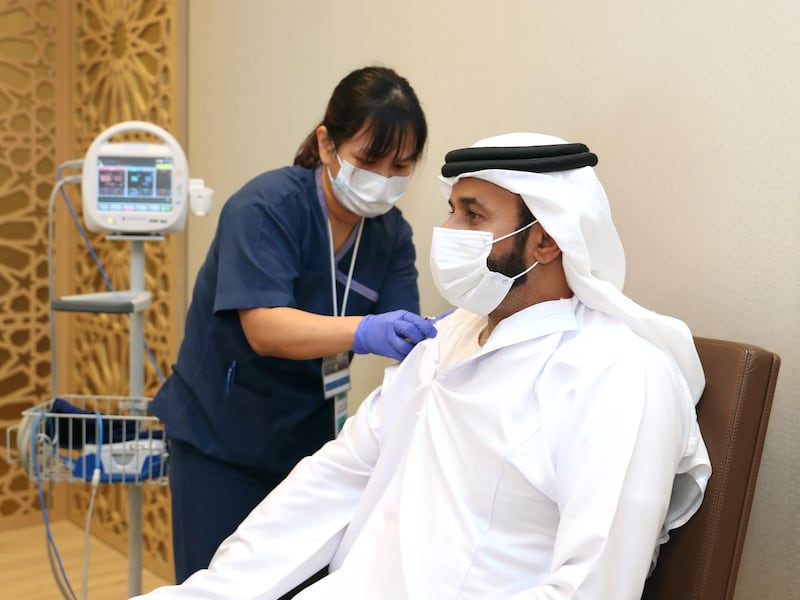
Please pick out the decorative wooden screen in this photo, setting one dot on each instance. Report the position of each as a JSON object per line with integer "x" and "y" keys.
{"x": 28, "y": 100}
{"x": 68, "y": 70}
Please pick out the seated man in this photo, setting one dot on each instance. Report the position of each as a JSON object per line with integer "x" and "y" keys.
{"x": 541, "y": 446}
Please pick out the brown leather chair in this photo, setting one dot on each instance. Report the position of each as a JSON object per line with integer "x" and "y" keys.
{"x": 701, "y": 559}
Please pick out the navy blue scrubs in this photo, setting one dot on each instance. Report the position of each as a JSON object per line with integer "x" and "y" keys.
{"x": 239, "y": 422}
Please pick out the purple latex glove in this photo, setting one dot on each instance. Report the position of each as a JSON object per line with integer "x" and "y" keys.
{"x": 392, "y": 334}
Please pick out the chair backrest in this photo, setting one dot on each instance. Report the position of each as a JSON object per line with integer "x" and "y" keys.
{"x": 701, "y": 559}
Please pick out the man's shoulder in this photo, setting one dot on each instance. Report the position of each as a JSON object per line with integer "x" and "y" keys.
{"x": 457, "y": 323}
{"x": 602, "y": 340}
{"x": 604, "y": 361}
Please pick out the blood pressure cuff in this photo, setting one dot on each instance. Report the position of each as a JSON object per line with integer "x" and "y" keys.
{"x": 73, "y": 427}
{"x": 533, "y": 159}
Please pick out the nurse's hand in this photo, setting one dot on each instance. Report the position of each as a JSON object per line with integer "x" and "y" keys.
{"x": 392, "y": 334}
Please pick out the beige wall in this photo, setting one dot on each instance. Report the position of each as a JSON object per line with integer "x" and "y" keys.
{"x": 691, "y": 106}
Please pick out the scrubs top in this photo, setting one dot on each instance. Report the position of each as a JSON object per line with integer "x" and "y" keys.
{"x": 271, "y": 249}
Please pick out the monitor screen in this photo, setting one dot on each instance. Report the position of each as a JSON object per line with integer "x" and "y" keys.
{"x": 134, "y": 184}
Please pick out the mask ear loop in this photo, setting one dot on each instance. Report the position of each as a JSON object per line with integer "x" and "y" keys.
{"x": 526, "y": 271}
{"x": 339, "y": 160}
{"x": 508, "y": 235}
{"x": 523, "y": 228}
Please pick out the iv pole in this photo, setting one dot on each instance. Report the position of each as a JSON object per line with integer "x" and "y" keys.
{"x": 135, "y": 300}
{"x": 136, "y": 361}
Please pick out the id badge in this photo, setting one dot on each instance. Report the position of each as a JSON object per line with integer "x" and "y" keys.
{"x": 339, "y": 412}
{"x": 335, "y": 383}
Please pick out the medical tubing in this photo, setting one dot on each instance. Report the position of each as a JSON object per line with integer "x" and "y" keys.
{"x": 52, "y": 550}
{"x": 50, "y": 558}
{"x": 77, "y": 221}
{"x": 153, "y": 362}
{"x": 90, "y": 510}
{"x": 77, "y": 164}
{"x": 24, "y": 458}
{"x": 88, "y": 244}
{"x": 23, "y": 444}
{"x": 51, "y": 541}
{"x": 87, "y": 536}
{"x": 31, "y": 424}
{"x": 53, "y": 568}
{"x": 51, "y": 277}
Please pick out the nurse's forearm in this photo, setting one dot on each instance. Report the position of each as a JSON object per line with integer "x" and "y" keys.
{"x": 291, "y": 333}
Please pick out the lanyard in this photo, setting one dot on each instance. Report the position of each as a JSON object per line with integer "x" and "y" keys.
{"x": 350, "y": 271}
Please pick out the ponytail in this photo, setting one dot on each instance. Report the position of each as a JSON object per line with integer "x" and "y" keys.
{"x": 308, "y": 152}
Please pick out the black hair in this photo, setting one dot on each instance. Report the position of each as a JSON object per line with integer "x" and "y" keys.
{"x": 379, "y": 98}
{"x": 524, "y": 214}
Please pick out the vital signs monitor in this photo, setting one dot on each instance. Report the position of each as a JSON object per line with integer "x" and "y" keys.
{"x": 135, "y": 187}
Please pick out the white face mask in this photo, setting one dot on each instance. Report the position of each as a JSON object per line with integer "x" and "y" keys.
{"x": 460, "y": 272}
{"x": 365, "y": 193}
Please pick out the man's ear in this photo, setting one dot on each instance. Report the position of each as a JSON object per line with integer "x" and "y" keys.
{"x": 546, "y": 249}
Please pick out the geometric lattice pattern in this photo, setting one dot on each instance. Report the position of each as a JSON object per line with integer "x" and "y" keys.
{"x": 125, "y": 70}
{"x": 27, "y": 165}
{"x": 123, "y": 66}
{"x": 126, "y": 62}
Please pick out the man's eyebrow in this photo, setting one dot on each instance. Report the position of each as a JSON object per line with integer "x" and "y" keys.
{"x": 467, "y": 201}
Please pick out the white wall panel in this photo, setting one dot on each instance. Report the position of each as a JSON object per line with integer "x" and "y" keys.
{"x": 691, "y": 107}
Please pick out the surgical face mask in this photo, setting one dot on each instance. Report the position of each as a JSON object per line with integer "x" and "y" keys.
{"x": 366, "y": 193}
{"x": 460, "y": 272}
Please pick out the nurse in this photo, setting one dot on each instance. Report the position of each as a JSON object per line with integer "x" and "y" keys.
{"x": 309, "y": 263}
